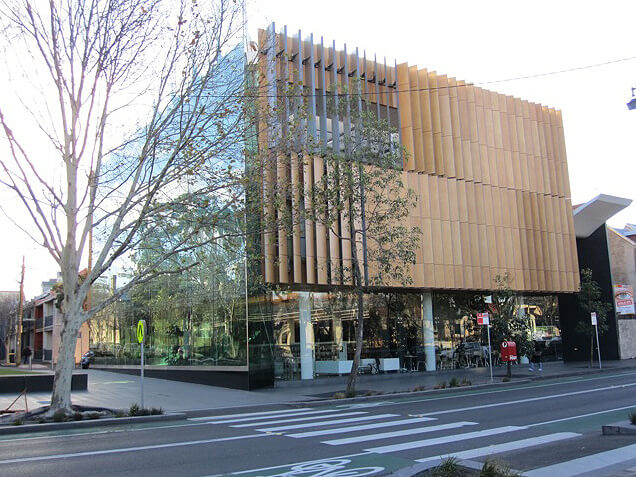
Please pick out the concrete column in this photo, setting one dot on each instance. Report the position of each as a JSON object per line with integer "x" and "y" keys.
{"x": 429, "y": 330}
{"x": 306, "y": 336}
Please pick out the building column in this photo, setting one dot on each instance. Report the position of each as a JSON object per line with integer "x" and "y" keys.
{"x": 429, "y": 330}
{"x": 306, "y": 336}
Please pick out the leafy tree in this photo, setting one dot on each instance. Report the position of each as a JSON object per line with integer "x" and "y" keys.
{"x": 131, "y": 103}
{"x": 361, "y": 199}
{"x": 589, "y": 300}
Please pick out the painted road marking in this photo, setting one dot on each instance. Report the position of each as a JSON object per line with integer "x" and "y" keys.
{"x": 264, "y": 413}
{"x": 128, "y": 449}
{"x": 364, "y": 427}
{"x": 404, "y": 432}
{"x": 444, "y": 440}
{"x": 261, "y": 469}
{"x": 326, "y": 423}
{"x": 580, "y": 416}
{"x": 298, "y": 419}
{"x": 522, "y": 401}
{"x": 586, "y": 464}
{"x": 505, "y": 447}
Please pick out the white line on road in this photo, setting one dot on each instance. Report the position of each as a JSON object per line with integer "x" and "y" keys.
{"x": 444, "y": 440}
{"x": 297, "y": 463}
{"x": 581, "y": 416}
{"x": 128, "y": 449}
{"x": 586, "y": 464}
{"x": 404, "y": 432}
{"x": 505, "y": 447}
{"x": 364, "y": 427}
{"x": 299, "y": 419}
{"x": 326, "y": 423}
{"x": 263, "y": 413}
{"x": 522, "y": 401}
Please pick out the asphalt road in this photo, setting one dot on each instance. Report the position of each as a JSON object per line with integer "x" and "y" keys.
{"x": 544, "y": 428}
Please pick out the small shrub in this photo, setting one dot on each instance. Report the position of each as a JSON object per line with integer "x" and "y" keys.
{"x": 453, "y": 383}
{"x": 448, "y": 468}
{"x": 78, "y": 416}
{"x": 496, "y": 469}
{"x": 156, "y": 411}
{"x": 134, "y": 410}
{"x": 144, "y": 412}
{"x": 505, "y": 379}
{"x": 441, "y": 385}
{"x": 350, "y": 394}
{"x": 339, "y": 395}
{"x": 18, "y": 422}
{"x": 418, "y": 388}
{"x": 632, "y": 417}
{"x": 41, "y": 420}
{"x": 120, "y": 413}
{"x": 93, "y": 415}
{"x": 59, "y": 416}
{"x": 466, "y": 382}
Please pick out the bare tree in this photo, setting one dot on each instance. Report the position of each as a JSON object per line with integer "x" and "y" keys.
{"x": 136, "y": 107}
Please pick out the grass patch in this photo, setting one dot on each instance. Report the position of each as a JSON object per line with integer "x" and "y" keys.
{"x": 16, "y": 371}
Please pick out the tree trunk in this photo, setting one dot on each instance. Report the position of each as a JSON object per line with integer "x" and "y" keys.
{"x": 592, "y": 346}
{"x": 509, "y": 369}
{"x": 351, "y": 384}
{"x": 61, "y": 396}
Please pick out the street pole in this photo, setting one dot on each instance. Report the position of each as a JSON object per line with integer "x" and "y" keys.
{"x": 141, "y": 338}
{"x": 18, "y": 347}
{"x": 489, "y": 352}
{"x": 598, "y": 347}
{"x": 142, "y": 375}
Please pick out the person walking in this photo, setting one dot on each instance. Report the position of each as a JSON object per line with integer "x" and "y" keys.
{"x": 26, "y": 354}
{"x": 535, "y": 359}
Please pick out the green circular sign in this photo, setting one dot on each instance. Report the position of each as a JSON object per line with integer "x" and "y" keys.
{"x": 141, "y": 331}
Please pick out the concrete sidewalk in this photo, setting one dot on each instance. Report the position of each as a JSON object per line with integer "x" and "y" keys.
{"x": 119, "y": 391}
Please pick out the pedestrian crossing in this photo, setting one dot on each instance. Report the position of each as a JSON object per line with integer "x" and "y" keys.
{"x": 421, "y": 438}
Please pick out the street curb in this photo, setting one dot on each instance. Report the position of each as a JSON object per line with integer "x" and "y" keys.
{"x": 111, "y": 421}
{"x": 622, "y": 428}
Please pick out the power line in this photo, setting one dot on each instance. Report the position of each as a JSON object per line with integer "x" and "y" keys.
{"x": 415, "y": 90}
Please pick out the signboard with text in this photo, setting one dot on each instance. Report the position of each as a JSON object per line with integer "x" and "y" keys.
{"x": 624, "y": 299}
{"x": 483, "y": 319}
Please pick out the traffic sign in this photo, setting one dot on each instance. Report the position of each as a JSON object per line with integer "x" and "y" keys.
{"x": 141, "y": 331}
{"x": 594, "y": 320}
{"x": 483, "y": 319}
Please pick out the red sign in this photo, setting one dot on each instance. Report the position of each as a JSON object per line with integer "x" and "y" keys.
{"x": 483, "y": 319}
{"x": 508, "y": 351}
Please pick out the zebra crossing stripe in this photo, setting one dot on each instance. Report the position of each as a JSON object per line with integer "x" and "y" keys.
{"x": 229, "y": 416}
{"x": 585, "y": 464}
{"x": 504, "y": 447}
{"x": 326, "y": 423}
{"x": 363, "y": 427}
{"x": 298, "y": 419}
{"x": 289, "y": 413}
{"x": 404, "y": 432}
{"x": 445, "y": 440}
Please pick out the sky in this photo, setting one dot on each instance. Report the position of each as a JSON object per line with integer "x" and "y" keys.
{"x": 483, "y": 41}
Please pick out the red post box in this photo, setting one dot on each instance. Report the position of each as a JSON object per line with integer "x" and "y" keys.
{"x": 508, "y": 351}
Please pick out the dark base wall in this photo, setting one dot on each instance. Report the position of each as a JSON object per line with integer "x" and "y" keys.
{"x": 225, "y": 379}
{"x": 38, "y": 383}
{"x": 593, "y": 253}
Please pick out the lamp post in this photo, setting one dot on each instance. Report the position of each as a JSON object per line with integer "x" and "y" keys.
{"x": 632, "y": 102}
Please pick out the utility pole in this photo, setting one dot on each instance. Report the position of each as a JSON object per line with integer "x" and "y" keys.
{"x": 18, "y": 350}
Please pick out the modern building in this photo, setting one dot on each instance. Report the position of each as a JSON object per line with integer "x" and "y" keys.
{"x": 611, "y": 256}
{"x": 493, "y": 198}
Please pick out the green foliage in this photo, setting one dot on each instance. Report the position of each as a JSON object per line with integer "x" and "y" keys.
{"x": 466, "y": 382}
{"x": 156, "y": 411}
{"x": 505, "y": 379}
{"x": 448, "y": 468}
{"x": 589, "y": 300}
{"x": 17, "y": 422}
{"x": 77, "y": 416}
{"x": 440, "y": 385}
{"x": 134, "y": 410}
{"x": 632, "y": 417}
{"x": 497, "y": 469}
{"x": 93, "y": 415}
{"x": 453, "y": 383}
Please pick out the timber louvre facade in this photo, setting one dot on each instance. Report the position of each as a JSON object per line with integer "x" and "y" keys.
{"x": 489, "y": 170}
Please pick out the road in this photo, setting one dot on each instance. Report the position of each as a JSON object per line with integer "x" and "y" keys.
{"x": 543, "y": 428}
